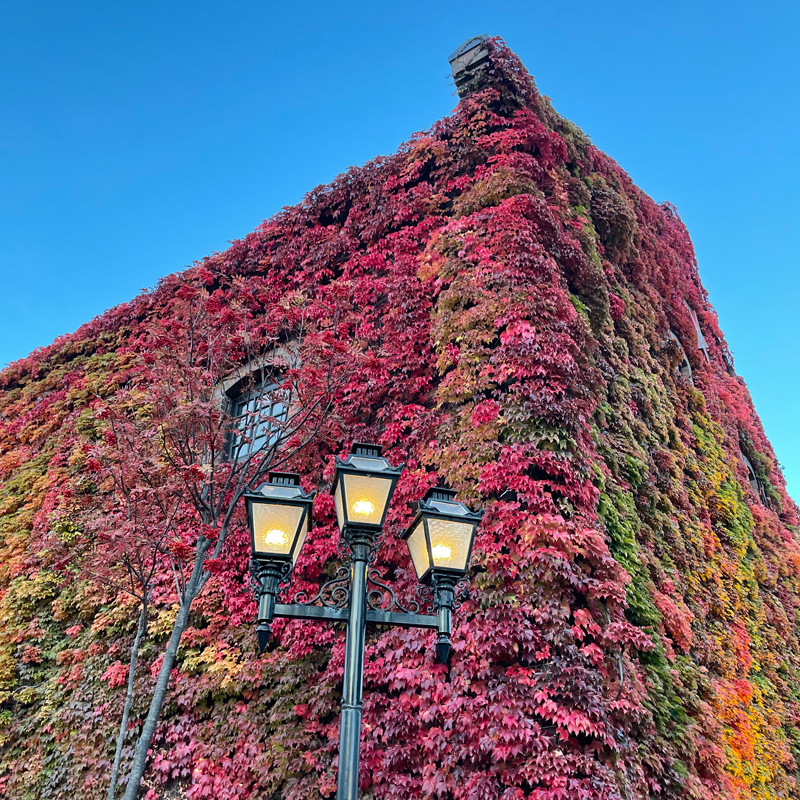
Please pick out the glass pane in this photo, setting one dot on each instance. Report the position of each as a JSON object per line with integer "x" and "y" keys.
{"x": 366, "y": 497}
{"x": 449, "y": 508}
{"x": 337, "y": 499}
{"x": 301, "y": 539}
{"x": 274, "y": 527}
{"x": 450, "y": 542}
{"x": 259, "y": 413}
{"x": 418, "y": 547}
{"x": 281, "y": 490}
{"x": 369, "y": 463}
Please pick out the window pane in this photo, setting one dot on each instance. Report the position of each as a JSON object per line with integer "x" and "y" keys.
{"x": 259, "y": 415}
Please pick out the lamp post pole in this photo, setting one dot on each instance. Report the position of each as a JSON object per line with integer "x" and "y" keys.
{"x": 361, "y": 543}
{"x": 440, "y": 543}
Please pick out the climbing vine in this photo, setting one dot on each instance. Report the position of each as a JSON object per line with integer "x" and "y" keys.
{"x": 502, "y": 296}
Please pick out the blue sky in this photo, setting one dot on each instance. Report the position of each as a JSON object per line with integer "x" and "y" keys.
{"x": 139, "y": 137}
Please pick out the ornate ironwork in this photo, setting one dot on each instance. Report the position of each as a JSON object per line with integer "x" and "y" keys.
{"x": 462, "y": 592}
{"x": 381, "y": 596}
{"x": 334, "y": 593}
{"x": 426, "y": 598}
{"x": 377, "y": 541}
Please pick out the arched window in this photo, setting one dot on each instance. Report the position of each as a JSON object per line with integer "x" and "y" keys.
{"x": 260, "y": 396}
{"x": 752, "y": 478}
{"x": 259, "y": 408}
{"x": 684, "y": 367}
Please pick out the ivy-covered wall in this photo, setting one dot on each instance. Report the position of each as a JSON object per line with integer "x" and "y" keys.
{"x": 507, "y": 293}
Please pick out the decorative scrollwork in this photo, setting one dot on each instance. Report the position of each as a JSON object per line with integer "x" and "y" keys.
{"x": 381, "y": 596}
{"x": 377, "y": 541}
{"x": 255, "y": 581}
{"x": 462, "y": 592}
{"x": 426, "y": 599}
{"x": 334, "y": 593}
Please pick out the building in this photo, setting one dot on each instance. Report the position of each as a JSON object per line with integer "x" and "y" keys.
{"x": 501, "y": 308}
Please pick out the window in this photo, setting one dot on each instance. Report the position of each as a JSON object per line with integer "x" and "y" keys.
{"x": 259, "y": 397}
{"x": 752, "y": 479}
{"x": 728, "y": 363}
{"x": 684, "y": 367}
{"x": 702, "y": 344}
{"x": 260, "y": 410}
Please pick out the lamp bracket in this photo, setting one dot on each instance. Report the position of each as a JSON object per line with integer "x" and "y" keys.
{"x": 462, "y": 591}
{"x": 334, "y": 593}
{"x": 396, "y": 620}
{"x": 358, "y": 536}
{"x": 281, "y": 570}
{"x": 381, "y": 596}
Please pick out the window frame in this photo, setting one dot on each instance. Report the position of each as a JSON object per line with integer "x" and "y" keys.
{"x": 685, "y": 365}
{"x": 248, "y": 380}
{"x": 752, "y": 478}
{"x": 702, "y": 344}
{"x": 261, "y": 395}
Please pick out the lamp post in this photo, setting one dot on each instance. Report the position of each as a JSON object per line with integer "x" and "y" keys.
{"x": 279, "y": 516}
{"x": 440, "y": 542}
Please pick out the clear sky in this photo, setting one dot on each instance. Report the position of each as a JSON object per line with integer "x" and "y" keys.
{"x": 138, "y": 137}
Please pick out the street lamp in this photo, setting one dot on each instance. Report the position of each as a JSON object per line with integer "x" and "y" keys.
{"x": 363, "y": 485}
{"x": 279, "y": 515}
{"x": 440, "y": 542}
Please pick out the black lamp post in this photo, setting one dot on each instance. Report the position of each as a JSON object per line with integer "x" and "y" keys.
{"x": 440, "y": 541}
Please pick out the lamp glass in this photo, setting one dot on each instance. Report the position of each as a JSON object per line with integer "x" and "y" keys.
{"x": 418, "y": 548}
{"x": 275, "y": 526}
{"x": 338, "y": 501}
{"x": 301, "y": 539}
{"x": 449, "y": 507}
{"x": 450, "y": 543}
{"x": 366, "y": 497}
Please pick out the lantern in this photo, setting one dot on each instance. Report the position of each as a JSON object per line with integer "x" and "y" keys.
{"x": 363, "y": 485}
{"x": 441, "y": 535}
{"x": 279, "y": 514}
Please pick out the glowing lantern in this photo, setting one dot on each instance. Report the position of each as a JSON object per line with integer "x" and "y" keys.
{"x": 279, "y": 514}
{"x": 363, "y": 485}
{"x": 441, "y": 535}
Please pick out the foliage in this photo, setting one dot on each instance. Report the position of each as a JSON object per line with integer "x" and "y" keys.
{"x": 502, "y": 294}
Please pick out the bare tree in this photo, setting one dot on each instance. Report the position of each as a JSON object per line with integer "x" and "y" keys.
{"x": 132, "y": 515}
{"x": 290, "y": 378}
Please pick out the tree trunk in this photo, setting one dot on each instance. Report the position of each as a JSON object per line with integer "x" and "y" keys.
{"x": 193, "y": 588}
{"x": 123, "y": 727}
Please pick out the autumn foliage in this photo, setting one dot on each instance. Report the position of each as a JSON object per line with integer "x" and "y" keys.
{"x": 498, "y": 297}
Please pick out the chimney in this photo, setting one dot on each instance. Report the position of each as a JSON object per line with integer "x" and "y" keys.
{"x": 468, "y": 63}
